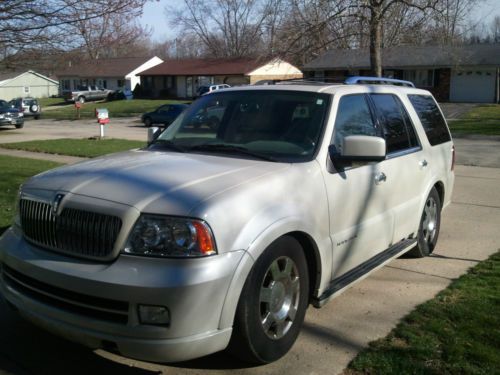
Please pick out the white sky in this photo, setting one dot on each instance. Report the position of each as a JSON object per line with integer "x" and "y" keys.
{"x": 154, "y": 16}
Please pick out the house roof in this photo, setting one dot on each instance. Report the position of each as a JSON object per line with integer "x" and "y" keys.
{"x": 9, "y": 76}
{"x": 187, "y": 67}
{"x": 115, "y": 67}
{"x": 411, "y": 56}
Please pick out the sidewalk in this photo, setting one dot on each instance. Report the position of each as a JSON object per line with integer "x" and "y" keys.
{"x": 64, "y": 159}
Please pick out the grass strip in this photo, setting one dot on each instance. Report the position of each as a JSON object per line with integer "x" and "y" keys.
{"x": 457, "y": 332}
{"x": 14, "y": 172}
{"x": 483, "y": 119}
{"x": 119, "y": 108}
{"x": 76, "y": 147}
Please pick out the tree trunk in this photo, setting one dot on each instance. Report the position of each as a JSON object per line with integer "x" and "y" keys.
{"x": 376, "y": 40}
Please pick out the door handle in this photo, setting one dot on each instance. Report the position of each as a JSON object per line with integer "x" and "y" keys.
{"x": 423, "y": 163}
{"x": 380, "y": 177}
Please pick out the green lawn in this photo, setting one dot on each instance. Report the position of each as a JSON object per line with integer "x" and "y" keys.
{"x": 118, "y": 108}
{"x": 14, "y": 172}
{"x": 76, "y": 147}
{"x": 458, "y": 332}
{"x": 49, "y": 102}
{"x": 484, "y": 119}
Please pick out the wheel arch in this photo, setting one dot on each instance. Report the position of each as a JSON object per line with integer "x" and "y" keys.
{"x": 314, "y": 266}
{"x": 440, "y": 189}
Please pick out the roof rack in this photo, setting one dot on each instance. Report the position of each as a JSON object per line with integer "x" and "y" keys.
{"x": 377, "y": 81}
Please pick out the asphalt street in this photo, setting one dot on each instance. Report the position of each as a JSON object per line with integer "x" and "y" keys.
{"x": 331, "y": 336}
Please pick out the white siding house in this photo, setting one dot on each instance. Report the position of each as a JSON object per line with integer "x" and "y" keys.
{"x": 30, "y": 83}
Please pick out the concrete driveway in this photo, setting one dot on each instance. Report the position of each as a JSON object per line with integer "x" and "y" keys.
{"x": 331, "y": 336}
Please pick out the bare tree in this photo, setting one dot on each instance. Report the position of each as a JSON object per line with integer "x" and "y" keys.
{"x": 26, "y": 24}
{"x": 227, "y": 28}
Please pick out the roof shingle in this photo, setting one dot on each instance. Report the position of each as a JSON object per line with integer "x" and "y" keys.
{"x": 115, "y": 67}
{"x": 186, "y": 67}
{"x": 411, "y": 56}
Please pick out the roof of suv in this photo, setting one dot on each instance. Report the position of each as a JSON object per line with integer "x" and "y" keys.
{"x": 332, "y": 88}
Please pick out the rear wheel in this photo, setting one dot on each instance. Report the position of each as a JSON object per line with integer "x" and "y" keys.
{"x": 148, "y": 122}
{"x": 81, "y": 99}
{"x": 19, "y": 126}
{"x": 272, "y": 305}
{"x": 428, "y": 231}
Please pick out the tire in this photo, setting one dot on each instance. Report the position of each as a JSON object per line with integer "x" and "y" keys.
{"x": 428, "y": 230}
{"x": 81, "y": 99}
{"x": 37, "y": 117}
{"x": 33, "y": 108}
{"x": 20, "y": 126}
{"x": 148, "y": 122}
{"x": 265, "y": 326}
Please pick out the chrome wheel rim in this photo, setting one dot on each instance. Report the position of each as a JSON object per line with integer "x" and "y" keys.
{"x": 430, "y": 220}
{"x": 279, "y": 297}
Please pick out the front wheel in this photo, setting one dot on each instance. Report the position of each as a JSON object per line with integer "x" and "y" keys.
{"x": 428, "y": 230}
{"x": 273, "y": 304}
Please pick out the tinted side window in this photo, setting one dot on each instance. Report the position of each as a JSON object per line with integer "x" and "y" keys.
{"x": 398, "y": 132}
{"x": 431, "y": 119}
{"x": 353, "y": 118}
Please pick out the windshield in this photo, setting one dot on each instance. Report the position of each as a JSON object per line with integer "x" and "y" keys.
{"x": 270, "y": 124}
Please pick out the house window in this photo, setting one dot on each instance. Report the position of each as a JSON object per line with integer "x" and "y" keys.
{"x": 420, "y": 77}
{"x": 66, "y": 83}
{"x": 26, "y": 89}
{"x": 76, "y": 83}
{"x": 120, "y": 82}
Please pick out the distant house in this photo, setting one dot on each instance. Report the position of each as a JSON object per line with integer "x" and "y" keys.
{"x": 452, "y": 73}
{"x": 29, "y": 83}
{"x": 181, "y": 78}
{"x": 110, "y": 74}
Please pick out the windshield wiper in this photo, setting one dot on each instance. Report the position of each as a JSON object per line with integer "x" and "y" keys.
{"x": 169, "y": 145}
{"x": 223, "y": 148}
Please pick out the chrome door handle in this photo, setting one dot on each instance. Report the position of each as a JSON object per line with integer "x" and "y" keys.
{"x": 380, "y": 177}
{"x": 423, "y": 163}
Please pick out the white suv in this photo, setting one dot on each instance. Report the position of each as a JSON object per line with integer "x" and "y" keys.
{"x": 221, "y": 236}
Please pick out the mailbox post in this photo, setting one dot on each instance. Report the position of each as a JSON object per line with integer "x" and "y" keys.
{"x": 102, "y": 115}
{"x": 78, "y": 106}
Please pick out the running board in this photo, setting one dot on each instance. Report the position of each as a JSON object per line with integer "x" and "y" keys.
{"x": 358, "y": 273}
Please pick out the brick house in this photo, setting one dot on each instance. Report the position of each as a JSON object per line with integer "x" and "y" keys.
{"x": 467, "y": 73}
{"x": 180, "y": 78}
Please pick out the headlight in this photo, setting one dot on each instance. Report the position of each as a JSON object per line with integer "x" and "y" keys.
{"x": 163, "y": 236}
{"x": 21, "y": 114}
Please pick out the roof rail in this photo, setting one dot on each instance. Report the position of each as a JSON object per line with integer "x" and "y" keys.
{"x": 377, "y": 81}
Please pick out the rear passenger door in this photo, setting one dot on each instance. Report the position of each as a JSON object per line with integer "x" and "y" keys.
{"x": 405, "y": 166}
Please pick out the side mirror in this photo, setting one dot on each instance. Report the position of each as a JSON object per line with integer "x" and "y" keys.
{"x": 153, "y": 133}
{"x": 360, "y": 148}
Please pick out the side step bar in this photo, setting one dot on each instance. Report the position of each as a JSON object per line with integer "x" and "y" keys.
{"x": 358, "y": 273}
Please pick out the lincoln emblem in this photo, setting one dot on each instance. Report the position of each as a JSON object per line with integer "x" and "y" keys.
{"x": 56, "y": 202}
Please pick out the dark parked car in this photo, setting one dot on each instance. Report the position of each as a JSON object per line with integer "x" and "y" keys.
{"x": 10, "y": 116}
{"x": 165, "y": 114}
{"x": 28, "y": 106}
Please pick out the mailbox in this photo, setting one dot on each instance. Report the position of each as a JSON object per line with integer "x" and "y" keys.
{"x": 102, "y": 115}
{"x": 78, "y": 105}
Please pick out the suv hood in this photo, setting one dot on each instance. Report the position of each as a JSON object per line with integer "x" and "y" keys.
{"x": 148, "y": 180}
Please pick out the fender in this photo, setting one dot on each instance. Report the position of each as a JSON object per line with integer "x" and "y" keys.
{"x": 277, "y": 229}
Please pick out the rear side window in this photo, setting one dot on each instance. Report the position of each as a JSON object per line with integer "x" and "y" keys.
{"x": 431, "y": 119}
{"x": 398, "y": 130}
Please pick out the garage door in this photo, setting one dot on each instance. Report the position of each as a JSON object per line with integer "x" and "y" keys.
{"x": 474, "y": 86}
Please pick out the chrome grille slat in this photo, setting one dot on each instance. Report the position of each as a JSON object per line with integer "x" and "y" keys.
{"x": 73, "y": 231}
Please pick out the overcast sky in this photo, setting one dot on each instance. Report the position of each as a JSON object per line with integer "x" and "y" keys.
{"x": 154, "y": 16}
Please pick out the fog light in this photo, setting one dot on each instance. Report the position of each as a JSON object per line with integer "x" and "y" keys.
{"x": 157, "y": 315}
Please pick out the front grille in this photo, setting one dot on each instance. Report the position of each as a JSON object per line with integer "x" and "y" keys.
{"x": 75, "y": 232}
{"x": 113, "y": 311}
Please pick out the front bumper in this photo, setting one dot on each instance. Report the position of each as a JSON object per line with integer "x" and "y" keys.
{"x": 97, "y": 303}
{"x": 12, "y": 121}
